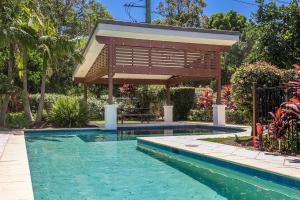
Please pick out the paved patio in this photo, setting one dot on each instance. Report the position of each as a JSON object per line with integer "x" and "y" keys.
{"x": 284, "y": 165}
{"x": 3, "y": 140}
{"x": 15, "y": 180}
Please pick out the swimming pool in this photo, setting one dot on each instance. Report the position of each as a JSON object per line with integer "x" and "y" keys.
{"x": 108, "y": 165}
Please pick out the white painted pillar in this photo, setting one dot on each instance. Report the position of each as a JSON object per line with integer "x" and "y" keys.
{"x": 219, "y": 115}
{"x": 168, "y": 113}
{"x": 111, "y": 116}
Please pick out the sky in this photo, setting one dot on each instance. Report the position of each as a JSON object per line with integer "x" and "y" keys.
{"x": 116, "y": 8}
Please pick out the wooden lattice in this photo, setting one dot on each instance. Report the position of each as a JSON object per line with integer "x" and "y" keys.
{"x": 100, "y": 66}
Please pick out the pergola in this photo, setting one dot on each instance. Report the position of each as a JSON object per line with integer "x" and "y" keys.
{"x": 136, "y": 53}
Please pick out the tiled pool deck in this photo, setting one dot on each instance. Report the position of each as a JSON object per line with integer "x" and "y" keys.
{"x": 15, "y": 180}
{"x": 283, "y": 165}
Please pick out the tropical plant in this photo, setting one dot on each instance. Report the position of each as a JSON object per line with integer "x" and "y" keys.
{"x": 52, "y": 48}
{"x": 15, "y": 36}
{"x": 69, "y": 112}
{"x": 283, "y": 119}
{"x": 17, "y": 120}
{"x": 127, "y": 89}
{"x": 205, "y": 100}
{"x": 226, "y": 95}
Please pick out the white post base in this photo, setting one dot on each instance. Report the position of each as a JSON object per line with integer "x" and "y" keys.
{"x": 219, "y": 115}
{"x": 168, "y": 113}
{"x": 111, "y": 118}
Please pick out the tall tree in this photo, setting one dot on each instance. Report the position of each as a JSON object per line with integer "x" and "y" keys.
{"x": 51, "y": 48}
{"x": 187, "y": 13}
{"x": 279, "y": 40}
{"x": 14, "y": 36}
{"x": 231, "y": 21}
{"x": 75, "y": 18}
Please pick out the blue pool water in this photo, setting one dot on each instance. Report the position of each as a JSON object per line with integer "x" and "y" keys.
{"x": 109, "y": 165}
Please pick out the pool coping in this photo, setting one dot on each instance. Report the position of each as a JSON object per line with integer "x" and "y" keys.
{"x": 193, "y": 146}
{"x": 15, "y": 178}
{"x": 151, "y": 126}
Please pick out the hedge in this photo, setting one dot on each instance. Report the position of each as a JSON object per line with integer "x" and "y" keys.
{"x": 183, "y": 99}
{"x": 232, "y": 116}
{"x": 202, "y": 115}
{"x": 262, "y": 73}
{"x": 237, "y": 117}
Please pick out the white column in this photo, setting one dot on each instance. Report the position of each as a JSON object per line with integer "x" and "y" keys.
{"x": 168, "y": 113}
{"x": 111, "y": 116}
{"x": 219, "y": 115}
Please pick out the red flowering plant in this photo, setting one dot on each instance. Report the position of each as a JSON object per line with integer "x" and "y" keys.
{"x": 127, "y": 89}
{"x": 205, "y": 100}
{"x": 286, "y": 115}
{"x": 226, "y": 97}
{"x": 283, "y": 119}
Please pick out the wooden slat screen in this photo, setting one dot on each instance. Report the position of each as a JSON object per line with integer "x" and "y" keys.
{"x": 126, "y": 56}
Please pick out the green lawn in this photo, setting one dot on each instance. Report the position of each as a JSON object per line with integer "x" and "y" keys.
{"x": 221, "y": 140}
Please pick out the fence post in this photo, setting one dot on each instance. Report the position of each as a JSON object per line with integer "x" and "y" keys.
{"x": 254, "y": 108}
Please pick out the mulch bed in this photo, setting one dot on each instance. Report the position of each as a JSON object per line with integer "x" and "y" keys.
{"x": 248, "y": 144}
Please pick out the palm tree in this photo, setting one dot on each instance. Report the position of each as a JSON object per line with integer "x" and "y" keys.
{"x": 52, "y": 48}
{"x": 14, "y": 36}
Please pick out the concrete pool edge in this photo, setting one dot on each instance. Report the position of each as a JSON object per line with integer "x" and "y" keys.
{"x": 163, "y": 125}
{"x": 14, "y": 170}
{"x": 288, "y": 173}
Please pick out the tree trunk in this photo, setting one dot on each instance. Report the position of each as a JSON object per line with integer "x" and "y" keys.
{"x": 3, "y": 110}
{"x": 6, "y": 97}
{"x": 26, "y": 104}
{"x": 42, "y": 98}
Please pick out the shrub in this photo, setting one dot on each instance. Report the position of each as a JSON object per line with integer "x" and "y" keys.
{"x": 237, "y": 117}
{"x": 149, "y": 94}
{"x": 262, "y": 73}
{"x": 96, "y": 108}
{"x": 69, "y": 112}
{"x": 201, "y": 115}
{"x": 183, "y": 99}
{"x": 16, "y": 120}
{"x": 289, "y": 75}
{"x": 146, "y": 96}
{"x": 127, "y": 89}
{"x": 49, "y": 100}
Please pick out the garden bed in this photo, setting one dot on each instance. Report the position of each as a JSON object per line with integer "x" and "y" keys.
{"x": 245, "y": 142}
